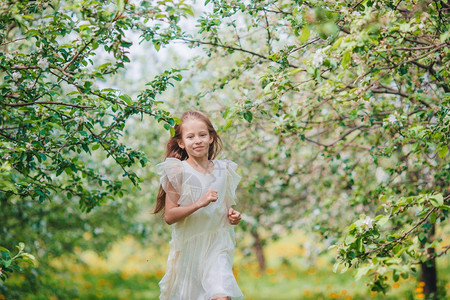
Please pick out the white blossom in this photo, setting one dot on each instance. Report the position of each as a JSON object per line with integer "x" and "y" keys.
{"x": 426, "y": 78}
{"x": 81, "y": 119}
{"x": 368, "y": 222}
{"x": 13, "y": 87}
{"x": 16, "y": 75}
{"x": 43, "y": 63}
{"x": 392, "y": 119}
{"x": 277, "y": 228}
{"x": 381, "y": 175}
{"x": 98, "y": 230}
{"x": 317, "y": 59}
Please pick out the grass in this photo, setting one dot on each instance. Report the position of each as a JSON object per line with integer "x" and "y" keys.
{"x": 133, "y": 272}
{"x": 283, "y": 282}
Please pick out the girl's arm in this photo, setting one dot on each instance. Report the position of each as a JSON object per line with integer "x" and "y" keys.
{"x": 174, "y": 213}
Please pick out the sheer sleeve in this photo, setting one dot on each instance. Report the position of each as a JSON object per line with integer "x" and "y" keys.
{"x": 232, "y": 182}
{"x": 171, "y": 170}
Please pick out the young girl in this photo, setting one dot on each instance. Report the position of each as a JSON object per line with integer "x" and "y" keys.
{"x": 196, "y": 194}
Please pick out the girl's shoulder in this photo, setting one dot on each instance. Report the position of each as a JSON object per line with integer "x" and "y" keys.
{"x": 226, "y": 163}
{"x": 171, "y": 163}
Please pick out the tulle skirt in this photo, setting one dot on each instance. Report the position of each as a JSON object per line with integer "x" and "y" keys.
{"x": 201, "y": 268}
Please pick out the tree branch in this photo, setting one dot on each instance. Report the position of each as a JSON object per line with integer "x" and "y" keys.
{"x": 47, "y": 102}
{"x": 420, "y": 48}
{"x": 23, "y": 67}
{"x": 269, "y": 37}
{"x": 443, "y": 251}
{"x": 404, "y": 235}
{"x": 235, "y": 49}
{"x": 423, "y": 55}
{"x": 338, "y": 139}
{"x": 13, "y": 41}
{"x": 303, "y": 46}
{"x": 77, "y": 54}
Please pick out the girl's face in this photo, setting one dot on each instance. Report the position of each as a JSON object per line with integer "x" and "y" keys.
{"x": 195, "y": 138}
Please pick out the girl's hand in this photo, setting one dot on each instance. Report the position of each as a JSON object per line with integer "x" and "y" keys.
{"x": 234, "y": 217}
{"x": 207, "y": 198}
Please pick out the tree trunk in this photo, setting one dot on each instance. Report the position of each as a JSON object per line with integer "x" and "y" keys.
{"x": 429, "y": 273}
{"x": 259, "y": 251}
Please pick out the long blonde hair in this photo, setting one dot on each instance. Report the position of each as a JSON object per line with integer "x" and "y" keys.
{"x": 174, "y": 150}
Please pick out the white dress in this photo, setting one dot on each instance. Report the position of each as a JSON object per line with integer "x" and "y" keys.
{"x": 199, "y": 266}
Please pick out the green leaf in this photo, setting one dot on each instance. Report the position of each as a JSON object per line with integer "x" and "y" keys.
{"x": 177, "y": 120}
{"x": 433, "y": 217}
{"x": 361, "y": 272}
{"x": 444, "y": 36}
{"x": 305, "y": 34}
{"x": 7, "y": 263}
{"x": 120, "y": 5}
{"x": 346, "y": 58}
{"x": 382, "y": 220}
{"x": 296, "y": 70}
{"x": 268, "y": 88}
{"x": 4, "y": 249}
{"x": 248, "y": 116}
{"x": 167, "y": 126}
{"x": 336, "y": 266}
{"x": 228, "y": 124}
{"x": 443, "y": 150}
{"x": 349, "y": 239}
{"x": 157, "y": 45}
{"x": 437, "y": 200}
{"x": 28, "y": 255}
{"x": 422, "y": 237}
{"x": 275, "y": 108}
{"x": 188, "y": 11}
{"x": 127, "y": 99}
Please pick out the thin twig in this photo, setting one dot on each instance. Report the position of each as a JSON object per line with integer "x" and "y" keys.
{"x": 19, "y": 39}
{"x": 77, "y": 54}
{"x": 338, "y": 139}
{"x": 420, "y": 48}
{"x": 443, "y": 251}
{"x": 23, "y": 67}
{"x": 235, "y": 49}
{"x": 403, "y": 236}
{"x": 47, "y": 102}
